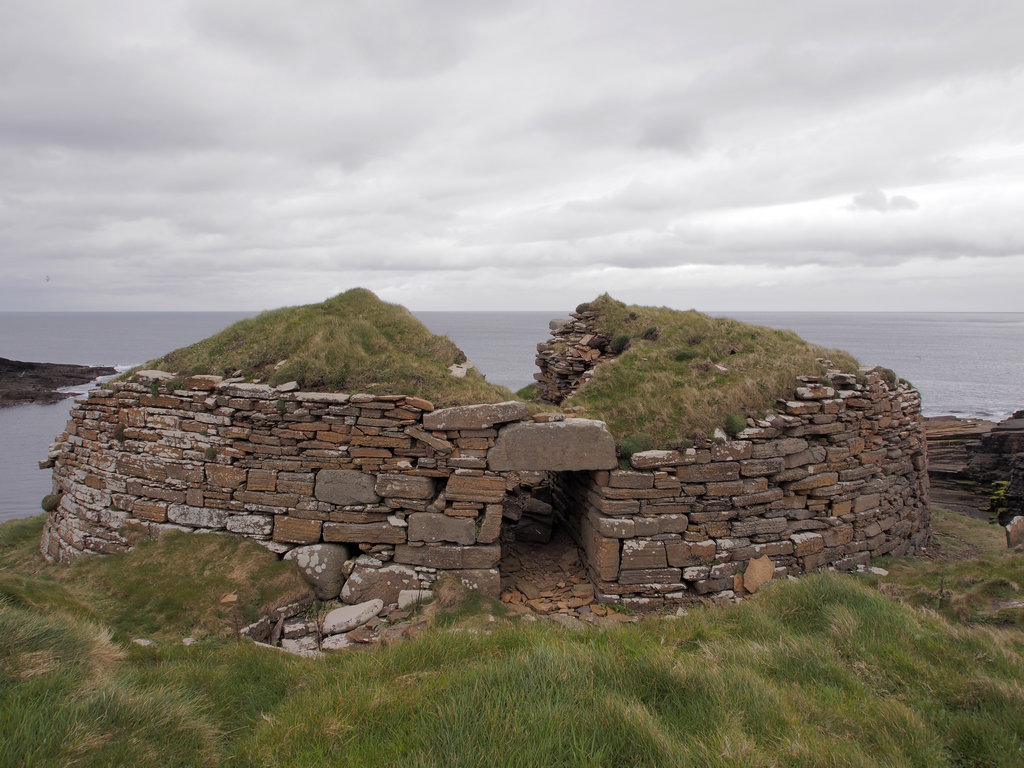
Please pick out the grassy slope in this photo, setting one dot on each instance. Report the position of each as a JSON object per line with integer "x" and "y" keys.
{"x": 824, "y": 671}
{"x": 353, "y": 342}
{"x": 669, "y": 387}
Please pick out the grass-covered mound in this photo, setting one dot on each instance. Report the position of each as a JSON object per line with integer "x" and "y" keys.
{"x": 682, "y": 374}
{"x": 824, "y": 671}
{"x": 353, "y": 342}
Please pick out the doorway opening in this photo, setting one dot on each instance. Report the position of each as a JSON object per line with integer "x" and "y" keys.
{"x": 543, "y": 567}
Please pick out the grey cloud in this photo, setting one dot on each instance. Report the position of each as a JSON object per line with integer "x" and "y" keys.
{"x": 473, "y": 144}
{"x": 876, "y": 200}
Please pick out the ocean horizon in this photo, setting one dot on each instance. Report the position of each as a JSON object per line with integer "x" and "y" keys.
{"x": 966, "y": 364}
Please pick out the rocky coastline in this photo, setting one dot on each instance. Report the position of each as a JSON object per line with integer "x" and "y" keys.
{"x": 976, "y": 467}
{"x": 22, "y": 383}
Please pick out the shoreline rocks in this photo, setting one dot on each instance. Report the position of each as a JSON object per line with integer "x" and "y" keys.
{"x": 22, "y": 383}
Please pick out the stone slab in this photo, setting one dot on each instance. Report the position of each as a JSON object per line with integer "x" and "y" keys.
{"x": 759, "y": 571}
{"x": 348, "y": 617}
{"x": 431, "y": 526}
{"x": 561, "y": 446}
{"x": 346, "y": 487}
{"x": 449, "y": 556}
{"x": 474, "y": 416}
{"x": 396, "y": 485}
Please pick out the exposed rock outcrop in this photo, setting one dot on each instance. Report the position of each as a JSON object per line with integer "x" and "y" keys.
{"x": 22, "y": 383}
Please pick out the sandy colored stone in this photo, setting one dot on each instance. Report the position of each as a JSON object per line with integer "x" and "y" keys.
{"x": 759, "y": 571}
{"x": 482, "y": 488}
{"x": 296, "y": 531}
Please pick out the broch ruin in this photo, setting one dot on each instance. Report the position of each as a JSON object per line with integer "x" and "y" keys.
{"x": 375, "y": 496}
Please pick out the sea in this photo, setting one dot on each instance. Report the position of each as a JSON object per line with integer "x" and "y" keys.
{"x": 964, "y": 364}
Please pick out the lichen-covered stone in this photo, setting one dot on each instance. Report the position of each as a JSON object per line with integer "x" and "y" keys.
{"x": 321, "y": 565}
{"x": 385, "y": 582}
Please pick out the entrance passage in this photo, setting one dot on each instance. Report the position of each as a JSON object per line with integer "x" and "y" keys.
{"x": 542, "y": 567}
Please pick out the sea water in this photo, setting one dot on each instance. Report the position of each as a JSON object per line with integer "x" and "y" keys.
{"x": 965, "y": 364}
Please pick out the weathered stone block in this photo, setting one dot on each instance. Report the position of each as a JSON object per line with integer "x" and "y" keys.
{"x": 348, "y": 617}
{"x": 293, "y": 530}
{"x": 482, "y": 488}
{"x": 671, "y": 523}
{"x": 685, "y": 553}
{"x": 431, "y": 526}
{"x": 815, "y": 481}
{"x": 321, "y": 565}
{"x": 730, "y": 488}
{"x": 624, "y": 479}
{"x": 345, "y": 487}
{"x": 706, "y": 473}
{"x": 754, "y": 526}
{"x": 614, "y": 527}
{"x": 364, "y": 533}
{"x": 197, "y": 517}
{"x": 1015, "y": 531}
{"x": 838, "y": 535}
{"x": 602, "y": 552}
{"x": 490, "y": 528}
{"x": 261, "y": 480}
{"x": 474, "y": 416}
{"x": 639, "y": 554}
{"x": 759, "y": 467}
{"x": 643, "y": 576}
{"x": 655, "y": 459}
{"x": 251, "y": 525}
{"x": 864, "y": 503}
{"x": 404, "y": 486}
{"x": 560, "y": 446}
{"x": 449, "y": 556}
{"x": 807, "y": 543}
{"x": 151, "y": 511}
{"x": 759, "y": 571}
{"x": 366, "y": 582}
{"x": 774, "y": 448}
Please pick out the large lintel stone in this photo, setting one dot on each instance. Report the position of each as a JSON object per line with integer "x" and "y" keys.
{"x": 559, "y": 446}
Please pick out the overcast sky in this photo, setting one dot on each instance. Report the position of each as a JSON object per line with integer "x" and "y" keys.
{"x": 726, "y": 155}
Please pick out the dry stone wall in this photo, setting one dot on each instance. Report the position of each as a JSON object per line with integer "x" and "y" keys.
{"x": 567, "y": 360}
{"x": 377, "y": 495}
{"x": 837, "y": 477}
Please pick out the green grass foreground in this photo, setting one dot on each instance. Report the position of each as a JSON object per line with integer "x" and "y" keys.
{"x": 824, "y": 671}
{"x": 683, "y": 373}
{"x": 352, "y": 343}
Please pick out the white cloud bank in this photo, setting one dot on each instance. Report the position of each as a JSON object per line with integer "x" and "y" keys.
{"x": 243, "y": 154}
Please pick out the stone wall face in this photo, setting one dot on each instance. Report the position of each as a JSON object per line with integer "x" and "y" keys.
{"x": 837, "y": 478}
{"x": 398, "y": 492}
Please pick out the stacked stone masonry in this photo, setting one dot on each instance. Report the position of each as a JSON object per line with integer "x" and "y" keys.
{"x": 567, "y": 360}
{"x": 394, "y": 492}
